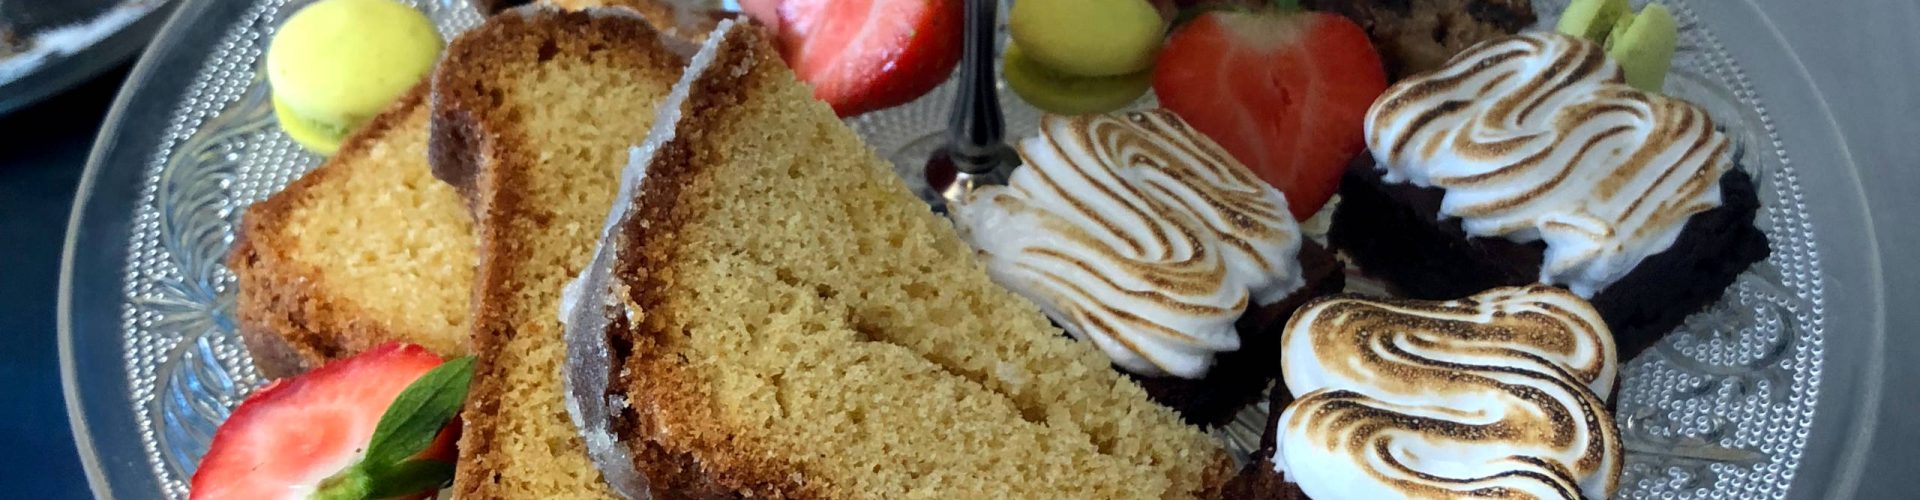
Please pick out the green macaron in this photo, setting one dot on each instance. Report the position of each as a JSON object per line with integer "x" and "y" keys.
{"x": 336, "y": 63}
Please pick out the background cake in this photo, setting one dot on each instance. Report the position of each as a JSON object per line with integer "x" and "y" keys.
{"x": 1416, "y": 36}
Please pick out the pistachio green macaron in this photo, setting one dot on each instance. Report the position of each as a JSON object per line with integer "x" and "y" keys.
{"x": 336, "y": 63}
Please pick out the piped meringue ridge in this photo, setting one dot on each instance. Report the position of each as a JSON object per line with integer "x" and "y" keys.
{"x": 1136, "y": 233}
{"x": 1538, "y": 137}
{"x": 1499, "y": 394}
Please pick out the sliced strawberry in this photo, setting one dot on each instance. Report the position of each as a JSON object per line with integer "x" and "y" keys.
{"x": 1286, "y": 93}
{"x": 864, "y": 55}
{"x": 290, "y": 436}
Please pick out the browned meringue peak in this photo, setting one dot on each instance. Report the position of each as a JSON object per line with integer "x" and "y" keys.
{"x": 1136, "y": 233}
{"x": 1539, "y": 137}
{"x": 1402, "y": 398}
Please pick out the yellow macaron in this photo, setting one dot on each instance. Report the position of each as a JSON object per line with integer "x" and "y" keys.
{"x": 337, "y": 63}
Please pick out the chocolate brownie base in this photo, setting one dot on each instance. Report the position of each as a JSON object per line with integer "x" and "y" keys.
{"x": 1394, "y": 232}
{"x": 1238, "y": 377}
{"x": 1258, "y": 481}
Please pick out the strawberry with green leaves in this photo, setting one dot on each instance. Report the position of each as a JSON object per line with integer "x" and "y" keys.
{"x": 377, "y": 425}
{"x": 1286, "y": 92}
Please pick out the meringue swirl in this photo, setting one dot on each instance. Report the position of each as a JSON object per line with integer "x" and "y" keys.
{"x": 1138, "y": 234}
{"x": 1500, "y": 394}
{"x": 1538, "y": 137}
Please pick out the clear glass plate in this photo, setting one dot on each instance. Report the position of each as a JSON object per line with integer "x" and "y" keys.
{"x": 1721, "y": 409}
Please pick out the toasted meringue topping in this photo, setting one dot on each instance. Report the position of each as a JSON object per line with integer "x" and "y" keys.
{"x": 1539, "y": 137}
{"x": 1498, "y": 394}
{"x": 1136, "y": 233}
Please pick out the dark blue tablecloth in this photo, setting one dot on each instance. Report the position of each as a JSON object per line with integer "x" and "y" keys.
{"x": 43, "y": 148}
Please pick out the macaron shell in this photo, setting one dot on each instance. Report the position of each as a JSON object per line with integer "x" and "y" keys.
{"x": 1066, "y": 94}
{"x": 317, "y": 137}
{"x": 342, "y": 61}
{"x": 1089, "y": 37}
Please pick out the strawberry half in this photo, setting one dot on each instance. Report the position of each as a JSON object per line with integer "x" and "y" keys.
{"x": 864, "y": 55}
{"x": 1286, "y": 93}
{"x": 310, "y": 435}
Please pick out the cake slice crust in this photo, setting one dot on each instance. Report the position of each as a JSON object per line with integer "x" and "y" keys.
{"x": 532, "y": 115}
{"x": 367, "y": 248}
{"x": 794, "y": 323}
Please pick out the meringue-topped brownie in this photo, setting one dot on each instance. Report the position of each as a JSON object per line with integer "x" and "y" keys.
{"x": 1145, "y": 238}
{"x": 1529, "y": 159}
{"x": 1500, "y": 394}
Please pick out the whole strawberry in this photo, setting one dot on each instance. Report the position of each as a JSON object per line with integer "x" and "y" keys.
{"x": 1285, "y": 92}
{"x": 380, "y": 424}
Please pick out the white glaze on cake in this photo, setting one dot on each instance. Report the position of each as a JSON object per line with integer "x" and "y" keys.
{"x": 593, "y": 300}
{"x": 1138, "y": 234}
{"x": 1501, "y": 392}
{"x": 1538, "y": 137}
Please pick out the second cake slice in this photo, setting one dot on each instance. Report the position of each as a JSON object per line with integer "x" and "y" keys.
{"x": 776, "y": 315}
{"x": 532, "y": 115}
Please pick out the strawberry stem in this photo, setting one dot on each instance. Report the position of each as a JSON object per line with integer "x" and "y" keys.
{"x": 350, "y": 484}
{"x": 1286, "y": 5}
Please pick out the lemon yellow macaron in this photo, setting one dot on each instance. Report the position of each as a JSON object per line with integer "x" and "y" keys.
{"x": 336, "y": 63}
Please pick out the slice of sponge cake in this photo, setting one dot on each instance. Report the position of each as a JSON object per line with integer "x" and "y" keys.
{"x": 369, "y": 248}
{"x": 533, "y": 112}
{"x": 782, "y": 318}
{"x": 366, "y": 249}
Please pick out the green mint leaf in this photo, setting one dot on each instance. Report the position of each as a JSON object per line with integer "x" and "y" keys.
{"x": 419, "y": 412}
{"x": 409, "y": 477}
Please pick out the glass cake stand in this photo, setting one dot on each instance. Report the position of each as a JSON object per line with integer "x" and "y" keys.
{"x": 1724, "y": 408}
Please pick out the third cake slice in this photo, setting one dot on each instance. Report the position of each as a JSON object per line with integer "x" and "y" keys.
{"x": 773, "y": 314}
